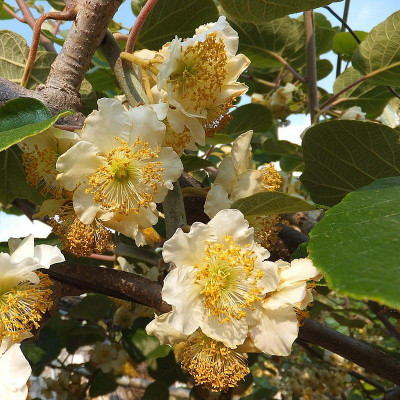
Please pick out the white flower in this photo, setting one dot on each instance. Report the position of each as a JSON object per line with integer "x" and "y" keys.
{"x": 236, "y": 179}
{"x": 24, "y": 293}
{"x": 221, "y": 275}
{"x": 40, "y": 153}
{"x": 118, "y": 170}
{"x": 200, "y": 74}
{"x": 211, "y": 363}
{"x": 354, "y": 113}
{"x": 108, "y": 357}
{"x": 283, "y": 95}
{"x": 276, "y": 322}
{"x": 151, "y": 273}
{"x": 123, "y": 317}
{"x": 14, "y": 372}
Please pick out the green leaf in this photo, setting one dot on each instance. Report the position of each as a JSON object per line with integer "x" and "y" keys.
{"x": 371, "y": 98}
{"x": 102, "y": 79}
{"x": 82, "y": 336}
{"x": 175, "y": 17}
{"x": 284, "y": 36}
{"x": 249, "y": 117}
{"x": 93, "y": 307}
{"x": 260, "y": 11}
{"x": 380, "y": 52}
{"x": 194, "y": 163}
{"x": 103, "y": 384}
{"x": 24, "y": 117}
{"x": 356, "y": 244}
{"x": 58, "y": 5}
{"x": 3, "y": 13}
{"x": 267, "y": 203}
{"x": 345, "y": 45}
{"x": 13, "y": 179}
{"x": 291, "y": 163}
{"x": 137, "y": 5}
{"x": 341, "y": 156}
{"x": 88, "y": 97}
{"x": 324, "y": 68}
{"x": 53, "y": 38}
{"x": 156, "y": 390}
{"x": 280, "y": 147}
{"x": 13, "y": 56}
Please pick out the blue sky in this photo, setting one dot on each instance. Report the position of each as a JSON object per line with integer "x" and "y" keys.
{"x": 364, "y": 15}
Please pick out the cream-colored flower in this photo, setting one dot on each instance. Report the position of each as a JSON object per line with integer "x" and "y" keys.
{"x": 283, "y": 95}
{"x": 236, "y": 179}
{"x": 211, "y": 363}
{"x": 14, "y": 372}
{"x": 108, "y": 357}
{"x": 118, "y": 170}
{"x": 141, "y": 268}
{"x": 123, "y": 317}
{"x": 354, "y": 113}
{"x": 221, "y": 276}
{"x": 39, "y": 156}
{"x": 200, "y": 74}
{"x": 24, "y": 293}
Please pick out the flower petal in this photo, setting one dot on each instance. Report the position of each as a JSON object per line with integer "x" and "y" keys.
{"x": 270, "y": 279}
{"x": 47, "y": 255}
{"x": 292, "y": 294}
{"x": 77, "y": 163}
{"x": 216, "y": 200}
{"x": 84, "y": 205}
{"x": 248, "y": 183}
{"x": 187, "y": 249}
{"x": 241, "y": 152}
{"x": 20, "y": 249}
{"x": 226, "y": 174}
{"x": 301, "y": 269}
{"x": 161, "y": 328}
{"x": 184, "y": 295}
{"x": 231, "y": 334}
{"x": 275, "y": 331}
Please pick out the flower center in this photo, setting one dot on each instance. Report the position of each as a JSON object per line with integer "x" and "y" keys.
{"x": 22, "y": 307}
{"x": 128, "y": 178}
{"x": 272, "y": 179}
{"x": 201, "y": 72}
{"x": 229, "y": 279}
{"x": 212, "y": 364}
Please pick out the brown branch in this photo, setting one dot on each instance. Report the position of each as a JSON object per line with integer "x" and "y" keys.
{"x": 30, "y": 20}
{"x": 378, "y": 311}
{"x": 360, "y": 353}
{"x": 311, "y": 65}
{"x": 13, "y": 14}
{"x": 58, "y": 16}
{"x": 141, "y": 18}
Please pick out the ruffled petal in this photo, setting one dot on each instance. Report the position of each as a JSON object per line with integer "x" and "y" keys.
{"x": 76, "y": 164}
{"x": 231, "y": 334}
{"x": 217, "y": 199}
{"x": 232, "y": 223}
{"x": 275, "y": 331}
{"x": 226, "y": 174}
{"x": 301, "y": 269}
{"x": 103, "y": 126}
{"x": 270, "y": 279}
{"x": 241, "y": 152}
{"x": 21, "y": 248}
{"x": 161, "y": 328}
{"x": 47, "y": 255}
{"x": 187, "y": 249}
{"x": 184, "y": 295}
{"x": 248, "y": 183}
{"x": 289, "y": 295}
{"x": 236, "y": 65}
{"x": 84, "y": 205}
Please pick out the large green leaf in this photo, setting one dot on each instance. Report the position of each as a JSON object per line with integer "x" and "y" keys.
{"x": 249, "y": 117}
{"x": 24, "y": 117}
{"x": 341, "y": 156}
{"x": 102, "y": 384}
{"x": 175, "y": 17}
{"x": 14, "y": 53}
{"x": 356, "y": 244}
{"x": 284, "y": 36}
{"x": 345, "y": 45}
{"x": 380, "y": 52}
{"x": 260, "y": 11}
{"x": 370, "y": 97}
{"x": 267, "y": 203}
{"x": 13, "y": 179}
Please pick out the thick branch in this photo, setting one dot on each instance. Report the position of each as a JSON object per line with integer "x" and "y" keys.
{"x": 362, "y": 354}
{"x": 69, "y": 68}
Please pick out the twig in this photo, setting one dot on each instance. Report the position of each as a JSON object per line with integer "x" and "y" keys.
{"x": 120, "y": 36}
{"x": 30, "y": 20}
{"x": 376, "y": 309}
{"x": 141, "y": 18}
{"x": 287, "y": 66}
{"x": 70, "y": 128}
{"x": 57, "y": 27}
{"x": 342, "y": 29}
{"x": 311, "y": 65}
{"x": 174, "y": 210}
{"x": 60, "y": 16}
{"x": 13, "y": 14}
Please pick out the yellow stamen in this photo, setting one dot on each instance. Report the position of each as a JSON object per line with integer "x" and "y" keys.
{"x": 22, "y": 307}
{"x": 272, "y": 179}
{"x": 266, "y": 230}
{"x": 229, "y": 280}
{"x": 128, "y": 179}
{"x": 212, "y": 364}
